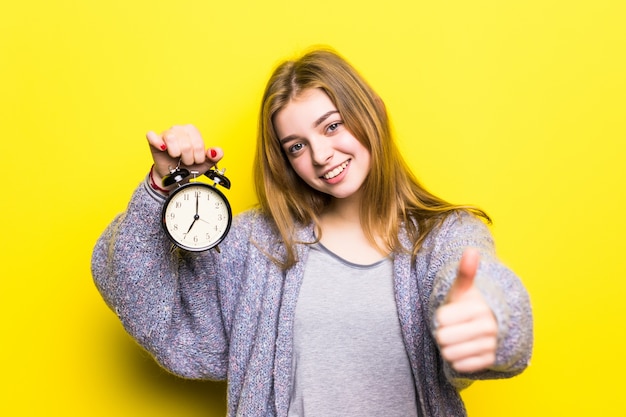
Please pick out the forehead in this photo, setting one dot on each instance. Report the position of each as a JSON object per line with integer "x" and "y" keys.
{"x": 303, "y": 110}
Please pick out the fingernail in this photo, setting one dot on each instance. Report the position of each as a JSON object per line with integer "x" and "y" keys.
{"x": 213, "y": 153}
{"x": 163, "y": 147}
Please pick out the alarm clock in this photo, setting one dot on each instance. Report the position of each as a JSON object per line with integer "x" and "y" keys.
{"x": 196, "y": 216}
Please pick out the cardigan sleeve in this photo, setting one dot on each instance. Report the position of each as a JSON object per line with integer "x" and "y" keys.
{"x": 501, "y": 288}
{"x": 167, "y": 300}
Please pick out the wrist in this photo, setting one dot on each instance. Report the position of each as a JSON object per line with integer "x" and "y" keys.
{"x": 155, "y": 183}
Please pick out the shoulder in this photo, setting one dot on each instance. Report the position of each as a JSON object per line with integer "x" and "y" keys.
{"x": 461, "y": 229}
{"x": 251, "y": 227}
{"x": 253, "y": 220}
{"x": 257, "y": 230}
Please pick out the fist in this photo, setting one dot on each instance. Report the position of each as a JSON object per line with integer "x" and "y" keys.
{"x": 467, "y": 330}
{"x": 181, "y": 145}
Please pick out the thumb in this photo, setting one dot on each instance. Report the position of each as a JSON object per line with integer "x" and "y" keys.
{"x": 156, "y": 141}
{"x": 465, "y": 275}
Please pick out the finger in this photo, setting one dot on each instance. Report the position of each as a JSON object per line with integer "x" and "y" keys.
{"x": 470, "y": 308}
{"x": 199, "y": 153}
{"x": 461, "y": 333}
{"x": 187, "y": 149}
{"x": 465, "y": 275}
{"x": 474, "y": 363}
{"x": 196, "y": 149}
{"x": 156, "y": 141}
{"x": 214, "y": 154}
{"x": 483, "y": 346}
{"x": 185, "y": 142}
{"x": 172, "y": 143}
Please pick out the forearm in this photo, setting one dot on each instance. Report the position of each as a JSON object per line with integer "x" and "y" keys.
{"x": 500, "y": 289}
{"x": 168, "y": 304}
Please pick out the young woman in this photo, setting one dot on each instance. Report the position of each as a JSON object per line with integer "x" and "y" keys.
{"x": 349, "y": 291}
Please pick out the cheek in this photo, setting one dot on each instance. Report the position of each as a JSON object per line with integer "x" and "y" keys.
{"x": 368, "y": 159}
{"x": 296, "y": 166}
{"x": 364, "y": 156}
{"x": 303, "y": 170}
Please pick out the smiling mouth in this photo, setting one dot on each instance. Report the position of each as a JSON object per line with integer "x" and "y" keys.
{"x": 332, "y": 174}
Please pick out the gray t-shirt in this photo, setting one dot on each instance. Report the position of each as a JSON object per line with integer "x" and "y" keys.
{"x": 349, "y": 357}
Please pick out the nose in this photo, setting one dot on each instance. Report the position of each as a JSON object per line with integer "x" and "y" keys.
{"x": 321, "y": 151}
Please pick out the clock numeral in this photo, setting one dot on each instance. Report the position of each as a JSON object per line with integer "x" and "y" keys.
{"x": 178, "y": 204}
{"x": 175, "y": 227}
{"x": 198, "y": 194}
{"x": 172, "y": 215}
{"x": 208, "y": 236}
{"x": 195, "y": 239}
{"x": 220, "y": 217}
{"x": 186, "y": 197}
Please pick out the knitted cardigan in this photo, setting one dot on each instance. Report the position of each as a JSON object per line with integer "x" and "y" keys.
{"x": 229, "y": 315}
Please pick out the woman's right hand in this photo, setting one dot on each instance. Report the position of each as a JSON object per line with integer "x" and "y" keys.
{"x": 184, "y": 144}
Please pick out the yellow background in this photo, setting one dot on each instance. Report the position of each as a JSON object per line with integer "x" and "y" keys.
{"x": 518, "y": 107}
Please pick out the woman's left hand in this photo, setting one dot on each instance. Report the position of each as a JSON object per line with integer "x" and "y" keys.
{"x": 467, "y": 331}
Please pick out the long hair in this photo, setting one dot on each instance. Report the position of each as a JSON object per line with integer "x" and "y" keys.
{"x": 400, "y": 199}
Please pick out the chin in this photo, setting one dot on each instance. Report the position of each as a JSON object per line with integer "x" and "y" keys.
{"x": 344, "y": 194}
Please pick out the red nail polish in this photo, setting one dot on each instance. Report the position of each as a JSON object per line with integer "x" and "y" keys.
{"x": 163, "y": 147}
{"x": 213, "y": 153}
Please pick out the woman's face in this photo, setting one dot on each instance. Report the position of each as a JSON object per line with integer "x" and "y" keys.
{"x": 319, "y": 147}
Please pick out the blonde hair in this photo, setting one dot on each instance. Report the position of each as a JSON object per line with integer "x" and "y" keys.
{"x": 400, "y": 200}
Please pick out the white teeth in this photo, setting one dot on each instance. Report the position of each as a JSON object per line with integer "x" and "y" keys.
{"x": 336, "y": 171}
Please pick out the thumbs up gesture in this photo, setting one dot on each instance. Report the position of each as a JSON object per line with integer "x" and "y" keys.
{"x": 467, "y": 329}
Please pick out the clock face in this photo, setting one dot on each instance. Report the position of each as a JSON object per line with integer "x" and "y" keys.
{"x": 196, "y": 216}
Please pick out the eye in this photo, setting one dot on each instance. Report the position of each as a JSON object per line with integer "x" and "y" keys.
{"x": 295, "y": 147}
{"x": 333, "y": 127}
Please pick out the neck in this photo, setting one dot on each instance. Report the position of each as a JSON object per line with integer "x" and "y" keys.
{"x": 343, "y": 233}
{"x": 346, "y": 210}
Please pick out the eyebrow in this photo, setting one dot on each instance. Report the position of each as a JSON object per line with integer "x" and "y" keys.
{"x": 324, "y": 117}
{"x": 318, "y": 122}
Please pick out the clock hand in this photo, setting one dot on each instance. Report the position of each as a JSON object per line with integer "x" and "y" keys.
{"x": 195, "y": 219}
{"x": 202, "y": 220}
{"x": 196, "y": 216}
